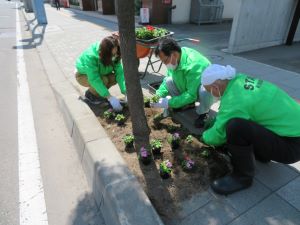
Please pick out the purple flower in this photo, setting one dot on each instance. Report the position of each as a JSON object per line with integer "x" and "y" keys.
{"x": 176, "y": 136}
{"x": 168, "y": 164}
{"x": 144, "y": 152}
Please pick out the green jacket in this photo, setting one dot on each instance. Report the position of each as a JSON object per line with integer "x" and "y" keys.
{"x": 259, "y": 101}
{"x": 187, "y": 78}
{"x": 89, "y": 63}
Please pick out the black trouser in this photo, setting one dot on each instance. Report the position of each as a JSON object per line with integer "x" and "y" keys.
{"x": 265, "y": 144}
{"x": 57, "y": 4}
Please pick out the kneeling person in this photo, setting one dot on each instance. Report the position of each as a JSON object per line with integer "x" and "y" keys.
{"x": 99, "y": 67}
{"x": 183, "y": 79}
{"x": 255, "y": 119}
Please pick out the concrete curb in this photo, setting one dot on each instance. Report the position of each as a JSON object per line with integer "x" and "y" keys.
{"x": 118, "y": 193}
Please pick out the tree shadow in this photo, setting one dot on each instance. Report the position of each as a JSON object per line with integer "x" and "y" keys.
{"x": 87, "y": 212}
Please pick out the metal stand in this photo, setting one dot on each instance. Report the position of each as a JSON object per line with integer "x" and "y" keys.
{"x": 150, "y": 62}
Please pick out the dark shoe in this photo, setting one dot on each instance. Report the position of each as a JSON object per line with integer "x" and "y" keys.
{"x": 93, "y": 98}
{"x": 200, "y": 121}
{"x": 230, "y": 184}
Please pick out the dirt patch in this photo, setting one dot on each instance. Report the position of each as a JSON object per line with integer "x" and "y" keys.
{"x": 167, "y": 194}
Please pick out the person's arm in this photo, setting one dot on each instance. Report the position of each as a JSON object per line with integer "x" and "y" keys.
{"x": 162, "y": 91}
{"x": 118, "y": 68}
{"x": 216, "y": 135}
{"x": 190, "y": 95}
{"x": 96, "y": 82}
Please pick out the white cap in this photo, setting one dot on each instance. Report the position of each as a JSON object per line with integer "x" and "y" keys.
{"x": 217, "y": 72}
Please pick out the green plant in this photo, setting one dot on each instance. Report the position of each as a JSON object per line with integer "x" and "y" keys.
{"x": 149, "y": 32}
{"x": 120, "y": 118}
{"x": 155, "y": 143}
{"x": 154, "y": 99}
{"x": 205, "y": 153}
{"x": 174, "y": 138}
{"x": 165, "y": 168}
{"x": 189, "y": 139}
{"x": 128, "y": 139}
{"x": 147, "y": 101}
{"x": 109, "y": 114}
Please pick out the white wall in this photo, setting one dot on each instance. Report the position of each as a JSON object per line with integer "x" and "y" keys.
{"x": 261, "y": 24}
{"x": 182, "y": 12}
{"x": 231, "y": 7}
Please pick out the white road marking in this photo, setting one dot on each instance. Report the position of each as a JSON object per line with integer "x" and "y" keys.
{"x": 31, "y": 192}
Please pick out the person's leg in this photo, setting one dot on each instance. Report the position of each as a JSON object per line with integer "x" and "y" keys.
{"x": 206, "y": 100}
{"x": 111, "y": 80}
{"x": 91, "y": 94}
{"x": 246, "y": 139}
{"x": 172, "y": 89}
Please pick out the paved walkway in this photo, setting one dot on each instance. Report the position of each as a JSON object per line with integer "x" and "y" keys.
{"x": 274, "y": 197}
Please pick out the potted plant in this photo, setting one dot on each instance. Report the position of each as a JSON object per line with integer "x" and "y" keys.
{"x": 109, "y": 114}
{"x": 154, "y": 99}
{"x": 150, "y": 34}
{"x": 144, "y": 156}
{"x": 128, "y": 140}
{"x": 205, "y": 153}
{"x": 156, "y": 146}
{"x": 188, "y": 164}
{"x": 147, "y": 102}
{"x": 174, "y": 140}
{"x": 165, "y": 169}
{"x": 120, "y": 118}
{"x": 189, "y": 139}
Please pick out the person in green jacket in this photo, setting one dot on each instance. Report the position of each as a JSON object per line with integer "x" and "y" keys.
{"x": 182, "y": 84}
{"x": 99, "y": 67}
{"x": 255, "y": 119}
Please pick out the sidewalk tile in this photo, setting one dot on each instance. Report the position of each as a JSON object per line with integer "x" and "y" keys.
{"x": 274, "y": 175}
{"x": 243, "y": 200}
{"x": 196, "y": 202}
{"x": 215, "y": 212}
{"x": 290, "y": 193}
{"x": 272, "y": 211}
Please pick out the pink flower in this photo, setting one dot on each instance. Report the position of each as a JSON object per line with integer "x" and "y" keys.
{"x": 144, "y": 152}
{"x": 150, "y": 28}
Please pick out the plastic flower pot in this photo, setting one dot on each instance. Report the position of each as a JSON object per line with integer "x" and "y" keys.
{"x": 164, "y": 175}
{"x": 146, "y": 160}
{"x": 156, "y": 151}
{"x": 174, "y": 144}
{"x": 129, "y": 145}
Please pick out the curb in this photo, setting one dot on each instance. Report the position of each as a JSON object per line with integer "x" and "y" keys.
{"x": 117, "y": 191}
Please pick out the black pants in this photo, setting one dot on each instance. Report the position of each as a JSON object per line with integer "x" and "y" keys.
{"x": 265, "y": 144}
{"x": 57, "y": 4}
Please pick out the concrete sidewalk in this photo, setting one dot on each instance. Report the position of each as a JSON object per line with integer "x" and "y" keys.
{"x": 274, "y": 197}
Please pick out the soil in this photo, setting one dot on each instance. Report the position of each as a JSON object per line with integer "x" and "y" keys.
{"x": 167, "y": 194}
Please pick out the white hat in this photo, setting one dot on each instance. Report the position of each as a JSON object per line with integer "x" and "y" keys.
{"x": 217, "y": 72}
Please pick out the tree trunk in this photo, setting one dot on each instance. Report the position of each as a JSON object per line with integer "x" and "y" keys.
{"x": 126, "y": 24}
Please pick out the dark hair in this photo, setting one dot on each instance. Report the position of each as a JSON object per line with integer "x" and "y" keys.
{"x": 107, "y": 45}
{"x": 167, "y": 46}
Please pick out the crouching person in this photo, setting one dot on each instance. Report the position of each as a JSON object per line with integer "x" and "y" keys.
{"x": 256, "y": 119}
{"x": 98, "y": 68}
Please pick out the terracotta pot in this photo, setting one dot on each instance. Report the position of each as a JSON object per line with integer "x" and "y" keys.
{"x": 142, "y": 51}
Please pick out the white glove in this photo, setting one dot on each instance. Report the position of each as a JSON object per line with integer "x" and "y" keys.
{"x": 125, "y": 99}
{"x": 115, "y": 103}
{"x": 162, "y": 103}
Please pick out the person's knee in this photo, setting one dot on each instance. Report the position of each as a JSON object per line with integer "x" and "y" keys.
{"x": 237, "y": 131}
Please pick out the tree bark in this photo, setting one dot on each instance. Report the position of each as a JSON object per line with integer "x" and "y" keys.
{"x": 126, "y": 24}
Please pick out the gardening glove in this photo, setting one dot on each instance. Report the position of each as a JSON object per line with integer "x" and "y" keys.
{"x": 162, "y": 103}
{"x": 125, "y": 99}
{"x": 115, "y": 103}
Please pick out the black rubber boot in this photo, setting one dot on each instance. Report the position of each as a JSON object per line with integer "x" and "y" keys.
{"x": 242, "y": 160}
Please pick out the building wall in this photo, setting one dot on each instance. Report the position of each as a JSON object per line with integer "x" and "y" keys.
{"x": 261, "y": 24}
{"x": 231, "y": 8}
{"x": 182, "y": 12}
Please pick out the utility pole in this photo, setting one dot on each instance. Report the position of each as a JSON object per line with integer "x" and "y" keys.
{"x": 39, "y": 11}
